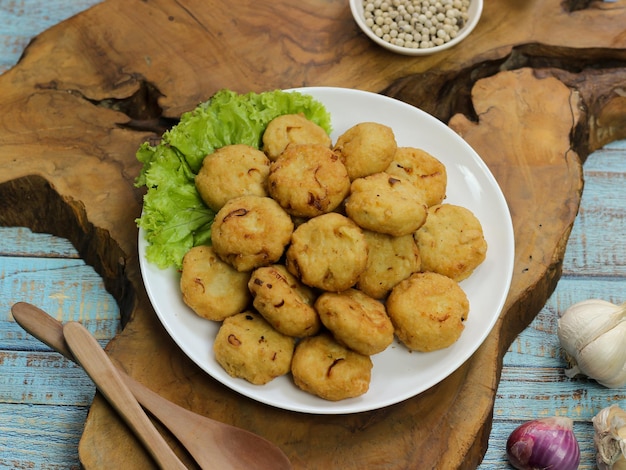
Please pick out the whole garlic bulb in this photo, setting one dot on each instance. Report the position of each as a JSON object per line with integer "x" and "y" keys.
{"x": 593, "y": 334}
{"x": 610, "y": 438}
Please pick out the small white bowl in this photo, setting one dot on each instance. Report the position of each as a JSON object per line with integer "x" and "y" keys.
{"x": 475, "y": 11}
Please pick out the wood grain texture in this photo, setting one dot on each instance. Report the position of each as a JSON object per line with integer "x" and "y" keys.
{"x": 111, "y": 95}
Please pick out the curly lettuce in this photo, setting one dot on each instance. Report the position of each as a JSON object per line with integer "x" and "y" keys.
{"x": 174, "y": 217}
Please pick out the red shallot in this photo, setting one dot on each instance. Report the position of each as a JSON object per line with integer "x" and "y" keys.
{"x": 542, "y": 444}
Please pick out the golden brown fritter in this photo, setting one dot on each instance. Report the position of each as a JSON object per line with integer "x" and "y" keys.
{"x": 386, "y": 204}
{"x": 292, "y": 129}
{"x": 308, "y": 180}
{"x": 284, "y": 302}
{"x": 212, "y": 288}
{"x": 428, "y": 311}
{"x": 451, "y": 242}
{"x": 232, "y": 171}
{"x": 426, "y": 172}
{"x": 251, "y": 231}
{"x": 328, "y": 252}
{"x": 390, "y": 260}
{"x": 356, "y": 320}
{"x": 366, "y": 148}
{"x": 246, "y": 346}
{"x": 323, "y": 367}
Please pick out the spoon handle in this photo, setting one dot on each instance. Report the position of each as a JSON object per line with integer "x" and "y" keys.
{"x": 94, "y": 360}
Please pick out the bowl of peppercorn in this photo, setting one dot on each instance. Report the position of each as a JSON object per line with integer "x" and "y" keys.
{"x": 416, "y": 27}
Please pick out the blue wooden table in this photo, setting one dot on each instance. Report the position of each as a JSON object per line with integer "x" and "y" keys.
{"x": 44, "y": 398}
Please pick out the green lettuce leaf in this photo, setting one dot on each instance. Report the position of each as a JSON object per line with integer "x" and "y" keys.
{"x": 174, "y": 217}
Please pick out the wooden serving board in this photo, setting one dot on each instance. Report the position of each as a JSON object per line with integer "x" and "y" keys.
{"x": 534, "y": 89}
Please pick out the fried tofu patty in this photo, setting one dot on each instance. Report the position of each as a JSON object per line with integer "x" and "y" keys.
{"x": 423, "y": 170}
{"x": 292, "y": 129}
{"x": 366, "y": 148}
{"x": 232, "y": 171}
{"x": 284, "y": 302}
{"x": 451, "y": 242}
{"x": 386, "y": 204}
{"x": 328, "y": 252}
{"x": 427, "y": 311}
{"x": 251, "y": 231}
{"x": 389, "y": 261}
{"x": 323, "y": 367}
{"x": 246, "y": 346}
{"x": 308, "y": 180}
{"x": 356, "y": 320}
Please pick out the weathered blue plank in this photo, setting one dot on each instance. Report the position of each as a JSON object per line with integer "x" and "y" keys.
{"x": 68, "y": 289}
{"x": 616, "y": 145}
{"x": 21, "y": 241}
{"x": 548, "y": 392}
{"x": 40, "y": 437}
{"x": 43, "y": 378}
{"x": 597, "y": 244}
{"x": 59, "y": 282}
{"x": 20, "y": 21}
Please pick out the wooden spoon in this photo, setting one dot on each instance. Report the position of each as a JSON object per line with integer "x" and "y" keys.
{"x": 94, "y": 360}
{"x": 211, "y": 443}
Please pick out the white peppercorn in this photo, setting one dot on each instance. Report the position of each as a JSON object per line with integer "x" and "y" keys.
{"x": 416, "y": 23}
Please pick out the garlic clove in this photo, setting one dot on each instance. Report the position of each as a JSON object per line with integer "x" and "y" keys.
{"x": 585, "y": 321}
{"x": 610, "y": 438}
{"x": 604, "y": 359}
{"x": 591, "y": 333}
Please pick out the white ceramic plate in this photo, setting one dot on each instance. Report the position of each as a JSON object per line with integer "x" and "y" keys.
{"x": 397, "y": 373}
